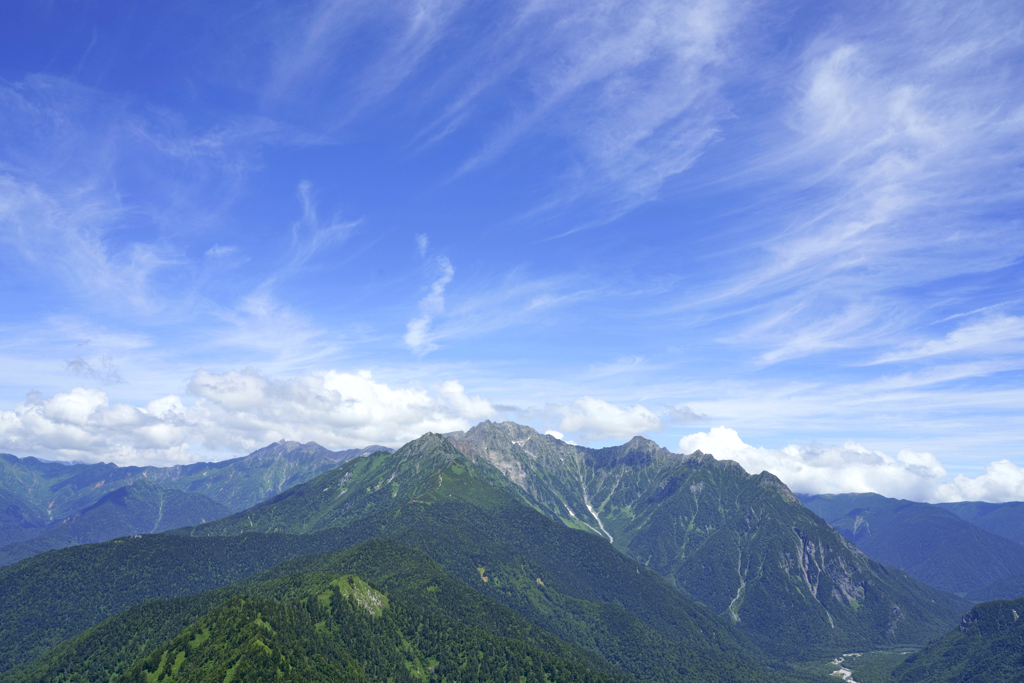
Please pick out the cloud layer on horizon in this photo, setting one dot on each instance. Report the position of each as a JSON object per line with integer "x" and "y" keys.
{"x": 234, "y": 413}
{"x": 238, "y": 411}
{"x": 852, "y": 468}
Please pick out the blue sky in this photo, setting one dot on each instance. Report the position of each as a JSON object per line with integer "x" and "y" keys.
{"x": 786, "y": 233}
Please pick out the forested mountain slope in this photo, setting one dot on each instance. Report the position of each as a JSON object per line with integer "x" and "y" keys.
{"x": 470, "y": 520}
{"x": 138, "y": 508}
{"x": 927, "y": 541}
{"x": 1002, "y": 519}
{"x": 740, "y": 543}
{"x": 987, "y": 647}
{"x": 413, "y": 618}
{"x": 53, "y": 596}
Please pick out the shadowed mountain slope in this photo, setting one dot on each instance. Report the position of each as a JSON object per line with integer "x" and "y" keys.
{"x": 742, "y": 544}
{"x": 1002, "y": 519}
{"x": 52, "y": 491}
{"x": 1009, "y": 588}
{"x": 927, "y": 541}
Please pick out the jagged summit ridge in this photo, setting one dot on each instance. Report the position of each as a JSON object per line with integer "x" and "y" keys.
{"x": 741, "y": 543}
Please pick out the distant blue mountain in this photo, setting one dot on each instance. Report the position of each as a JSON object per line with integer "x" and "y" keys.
{"x": 47, "y": 504}
{"x": 1002, "y": 519}
{"x": 929, "y": 542}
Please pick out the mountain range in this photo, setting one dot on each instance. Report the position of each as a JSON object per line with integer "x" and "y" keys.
{"x": 622, "y": 563}
{"x": 46, "y": 505}
{"x": 571, "y": 584}
{"x": 1002, "y": 519}
{"x": 742, "y": 544}
{"x": 929, "y": 542}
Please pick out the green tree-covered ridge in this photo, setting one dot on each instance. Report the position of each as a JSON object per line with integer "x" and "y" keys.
{"x": 325, "y": 623}
{"x": 987, "y": 647}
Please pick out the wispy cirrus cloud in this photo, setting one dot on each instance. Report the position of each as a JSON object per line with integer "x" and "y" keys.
{"x": 900, "y": 142}
{"x": 306, "y": 62}
{"x": 995, "y": 334}
{"x": 515, "y": 300}
{"x": 418, "y": 335}
{"x": 634, "y": 89}
{"x": 103, "y": 192}
{"x": 310, "y": 234}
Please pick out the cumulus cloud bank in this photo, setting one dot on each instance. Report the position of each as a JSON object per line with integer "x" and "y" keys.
{"x": 236, "y": 412}
{"x": 852, "y": 468}
{"x": 594, "y": 419}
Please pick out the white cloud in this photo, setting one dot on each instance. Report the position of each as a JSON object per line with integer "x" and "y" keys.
{"x": 561, "y": 437}
{"x": 83, "y": 424}
{"x": 417, "y": 335}
{"x": 310, "y": 234}
{"x": 219, "y": 251}
{"x": 997, "y": 333}
{"x": 421, "y": 244}
{"x": 902, "y": 144}
{"x": 1001, "y": 481}
{"x": 634, "y": 87}
{"x": 594, "y": 419}
{"x": 852, "y": 468}
{"x": 236, "y": 412}
{"x": 474, "y": 408}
